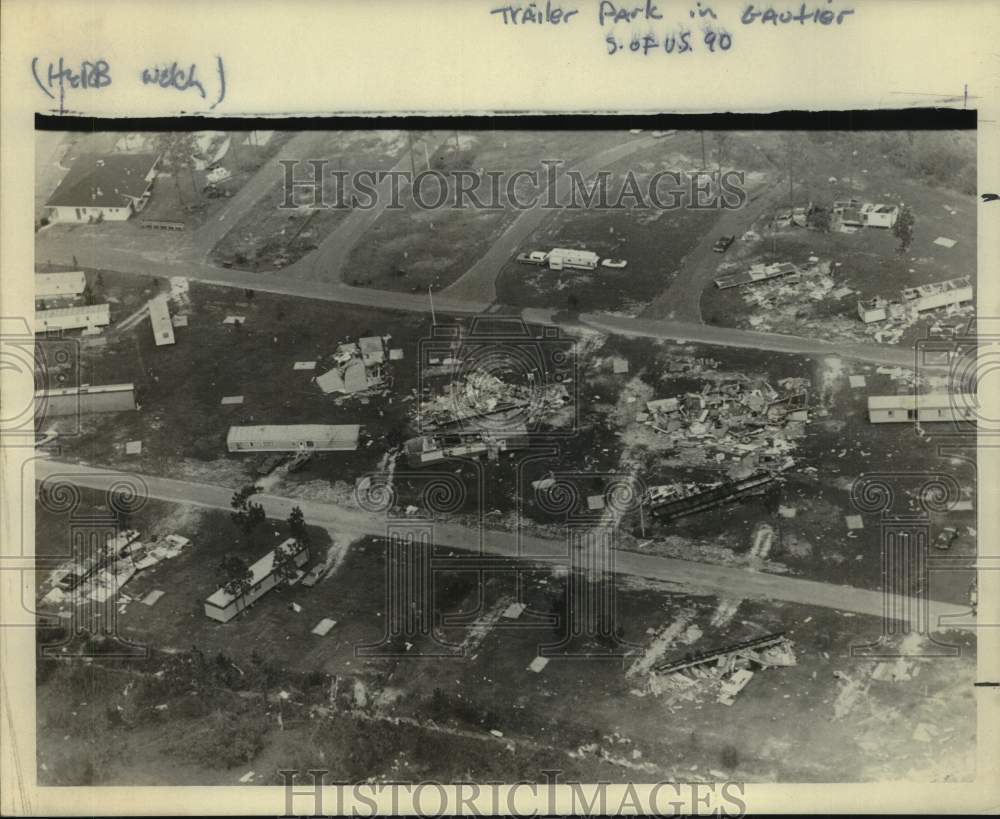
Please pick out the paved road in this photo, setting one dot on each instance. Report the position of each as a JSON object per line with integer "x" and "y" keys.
{"x": 731, "y": 337}
{"x": 478, "y": 283}
{"x": 691, "y": 576}
{"x": 301, "y": 146}
{"x": 100, "y": 255}
{"x": 326, "y": 263}
{"x": 682, "y": 299}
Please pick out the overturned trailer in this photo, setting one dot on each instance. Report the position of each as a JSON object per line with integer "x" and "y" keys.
{"x": 690, "y": 504}
{"x": 770, "y": 649}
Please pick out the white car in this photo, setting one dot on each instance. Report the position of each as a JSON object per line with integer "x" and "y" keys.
{"x": 614, "y": 263}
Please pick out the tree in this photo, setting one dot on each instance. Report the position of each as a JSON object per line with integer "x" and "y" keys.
{"x": 297, "y": 525}
{"x": 88, "y": 294}
{"x": 285, "y": 567}
{"x": 246, "y": 514}
{"x": 177, "y": 152}
{"x": 903, "y": 229}
{"x": 235, "y": 577}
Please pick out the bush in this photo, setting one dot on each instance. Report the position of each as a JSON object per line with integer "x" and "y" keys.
{"x": 730, "y": 757}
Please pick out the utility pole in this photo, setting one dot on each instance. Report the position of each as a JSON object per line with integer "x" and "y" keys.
{"x": 427, "y": 159}
{"x": 413, "y": 167}
{"x": 430, "y": 295}
{"x": 704, "y": 160}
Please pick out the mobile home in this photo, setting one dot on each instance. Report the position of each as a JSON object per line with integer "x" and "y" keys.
{"x": 223, "y": 606}
{"x": 561, "y": 257}
{"x": 72, "y": 318}
{"x": 159, "y": 318}
{"x": 84, "y": 399}
{"x": 294, "y": 438}
{"x": 927, "y": 408}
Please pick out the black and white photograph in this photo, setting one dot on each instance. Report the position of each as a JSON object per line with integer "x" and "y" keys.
{"x": 600, "y": 451}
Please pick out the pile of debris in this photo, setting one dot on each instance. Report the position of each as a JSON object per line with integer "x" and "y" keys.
{"x": 742, "y": 420}
{"x": 357, "y": 367}
{"x": 724, "y": 671}
{"x": 482, "y": 396}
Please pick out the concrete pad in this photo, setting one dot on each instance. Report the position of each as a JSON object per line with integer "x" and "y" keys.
{"x": 395, "y": 355}
{"x": 234, "y": 319}
{"x": 854, "y": 522}
{"x": 152, "y": 598}
{"x": 595, "y": 502}
{"x": 514, "y": 610}
{"x": 179, "y": 321}
{"x": 304, "y": 365}
{"x": 232, "y": 399}
{"x": 944, "y": 241}
{"x": 857, "y": 380}
{"x": 619, "y": 366}
{"x": 133, "y": 448}
{"x": 538, "y": 664}
{"x": 322, "y": 628}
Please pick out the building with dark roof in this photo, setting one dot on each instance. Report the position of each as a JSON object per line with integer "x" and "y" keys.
{"x": 103, "y": 186}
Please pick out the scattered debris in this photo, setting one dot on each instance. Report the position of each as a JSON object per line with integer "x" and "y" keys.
{"x": 232, "y": 399}
{"x": 944, "y": 241}
{"x": 304, "y": 365}
{"x": 133, "y": 448}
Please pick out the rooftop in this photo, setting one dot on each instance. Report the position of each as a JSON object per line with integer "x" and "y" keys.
{"x": 259, "y": 570}
{"x": 104, "y": 180}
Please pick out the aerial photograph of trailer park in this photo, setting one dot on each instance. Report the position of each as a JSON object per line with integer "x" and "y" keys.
{"x": 471, "y": 453}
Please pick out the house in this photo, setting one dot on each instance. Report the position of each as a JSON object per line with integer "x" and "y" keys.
{"x": 159, "y": 319}
{"x": 561, "y": 257}
{"x": 103, "y": 187}
{"x": 372, "y": 350}
{"x": 223, "y": 606}
{"x": 939, "y": 294}
{"x": 294, "y": 438}
{"x": 929, "y": 407}
{"x": 60, "y": 286}
{"x": 84, "y": 399}
{"x": 72, "y": 318}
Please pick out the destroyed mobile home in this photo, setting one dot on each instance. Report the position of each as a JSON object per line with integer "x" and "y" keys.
{"x": 752, "y": 423}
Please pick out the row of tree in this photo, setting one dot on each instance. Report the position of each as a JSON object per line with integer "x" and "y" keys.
{"x": 247, "y": 515}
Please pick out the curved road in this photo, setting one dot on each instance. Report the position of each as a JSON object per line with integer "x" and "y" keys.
{"x": 700, "y": 577}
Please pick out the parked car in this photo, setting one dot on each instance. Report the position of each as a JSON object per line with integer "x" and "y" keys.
{"x": 615, "y": 263}
{"x": 534, "y": 257}
{"x": 945, "y": 538}
{"x": 723, "y": 243}
{"x": 661, "y": 134}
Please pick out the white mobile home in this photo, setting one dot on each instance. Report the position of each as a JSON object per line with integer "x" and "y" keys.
{"x": 84, "y": 399}
{"x": 939, "y": 294}
{"x": 294, "y": 438}
{"x": 159, "y": 318}
{"x": 60, "y": 285}
{"x": 223, "y": 606}
{"x": 72, "y": 318}
{"x": 927, "y": 408}
{"x": 880, "y": 216}
{"x": 561, "y": 257}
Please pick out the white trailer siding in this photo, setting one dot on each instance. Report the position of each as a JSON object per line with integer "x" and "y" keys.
{"x": 294, "y": 438}
{"x": 60, "y": 285}
{"x": 561, "y": 257}
{"x": 84, "y": 400}
{"x": 223, "y": 606}
{"x": 72, "y": 318}
{"x": 939, "y": 294}
{"x": 883, "y": 409}
{"x": 159, "y": 318}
